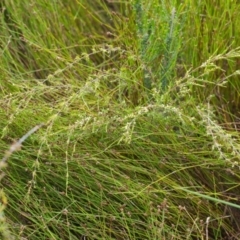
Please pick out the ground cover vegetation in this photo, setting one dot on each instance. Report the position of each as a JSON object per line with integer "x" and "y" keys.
{"x": 133, "y": 113}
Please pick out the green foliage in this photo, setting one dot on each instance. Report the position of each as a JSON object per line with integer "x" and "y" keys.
{"x": 159, "y": 32}
{"x": 137, "y": 141}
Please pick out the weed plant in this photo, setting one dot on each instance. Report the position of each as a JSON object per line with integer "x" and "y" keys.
{"x": 135, "y": 104}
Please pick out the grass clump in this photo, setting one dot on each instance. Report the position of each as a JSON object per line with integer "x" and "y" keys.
{"x": 136, "y": 142}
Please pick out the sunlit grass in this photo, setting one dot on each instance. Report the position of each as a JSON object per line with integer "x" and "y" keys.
{"x": 139, "y": 137}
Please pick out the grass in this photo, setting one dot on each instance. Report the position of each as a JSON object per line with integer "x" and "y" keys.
{"x": 136, "y": 107}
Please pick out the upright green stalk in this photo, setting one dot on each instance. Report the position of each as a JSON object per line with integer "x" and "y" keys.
{"x": 159, "y": 35}
{"x": 144, "y": 28}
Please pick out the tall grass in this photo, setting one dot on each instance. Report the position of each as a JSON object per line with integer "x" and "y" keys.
{"x": 136, "y": 141}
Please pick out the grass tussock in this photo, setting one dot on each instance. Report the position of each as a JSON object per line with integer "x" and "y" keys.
{"x": 127, "y": 119}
